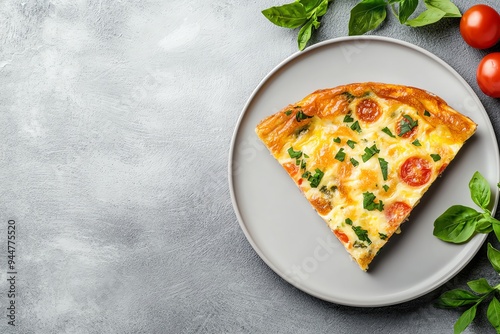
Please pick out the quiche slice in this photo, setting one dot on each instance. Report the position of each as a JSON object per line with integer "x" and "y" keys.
{"x": 364, "y": 154}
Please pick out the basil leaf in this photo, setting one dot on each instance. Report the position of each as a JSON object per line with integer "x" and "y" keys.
{"x": 340, "y": 156}
{"x": 305, "y": 34}
{"x": 383, "y": 167}
{"x": 291, "y": 15}
{"x": 484, "y": 224}
{"x": 355, "y": 126}
{"x": 456, "y": 298}
{"x": 299, "y": 116}
{"x": 321, "y": 8}
{"x": 457, "y": 224}
{"x": 294, "y": 154}
{"x": 446, "y": 6}
{"x": 496, "y": 226}
{"x": 349, "y": 98}
{"x": 465, "y": 320}
{"x": 480, "y": 190}
{"x": 406, "y": 125}
{"x": 349, "y": 119}
{"x": 416, "y": 143}
{"x": 314, "y": 180}
{"x": 406, "y": 8}
{"x": 359, "y": 244}
{"x": 366, "y": 15}
{"x": 435, "y": 157}
{"x": 429, "y": 16}
{"x": 369, "y": 202}
{"x": 493, "y": 314}
{"x": 388, "y": 132}
{"x": 370, "y": 152}
{"x": 310, "y": 5}
{"x": 361, "y": 234}
{"x": 494, "y": 257}
{"x": 480, "y": 286}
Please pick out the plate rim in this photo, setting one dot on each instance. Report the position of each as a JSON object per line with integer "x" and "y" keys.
{"x": 481, "y": 237}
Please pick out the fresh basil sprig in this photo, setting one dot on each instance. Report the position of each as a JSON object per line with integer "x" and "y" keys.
{"x": 459, "y": 223}
{"x": 365, "y": 16}
{"x": 369, "y": 14}
{"x": 301, "y": 13}
{"x": 479, "y": 291}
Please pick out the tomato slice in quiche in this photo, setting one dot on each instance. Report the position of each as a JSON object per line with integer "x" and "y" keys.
{"x": 364, "y": 154}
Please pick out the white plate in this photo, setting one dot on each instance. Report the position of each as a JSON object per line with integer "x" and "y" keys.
{"x": 287, "y": 233}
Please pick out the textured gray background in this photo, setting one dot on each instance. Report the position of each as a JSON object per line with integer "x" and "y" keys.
{"x": 115, "y": 121}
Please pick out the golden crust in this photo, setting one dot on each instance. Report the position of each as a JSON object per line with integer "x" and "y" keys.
{"x": 326, "y": 103}
{"x": 337, "y": 199}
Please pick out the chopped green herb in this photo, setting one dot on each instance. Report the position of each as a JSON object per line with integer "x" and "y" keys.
{"x": 426, "y": 113}
{"x": 348, "y": 118}
{"x": 383, "y": 166}
{"x": 359, "y": 244}
{"x": 340, "y": 156}
{"x": 306, "y": 175}
{"x": 301, "y": 130}
{"x": 388, "y": 132}
{"x": 303, "y": 164}
{"x": 297, "y": 162}
{"x": 294, "y": 154}
{"x": 288, "y": 112}
{"x": 416, "y": 143}
{"x": 351, "y": 143}
{"x": 370, "y": 152}
{"x": 306, "y": 156}
{"x": 355, "y": 126}
{"x": 435, "y": 157}
{"x": 348, "y": 221}
{"x": 299, "y": 116}
{"x": 362, "y": 234}
{"x": 386, "y": 187}
{"x": 349, "y": 96}
{"x": 354, "y": 162}
{"x": 382, "y": 236}
{"x": 406, "y": 125}
{"x": 328, "y": 192}
{"x": 315, "y": 179}
{"x": 337, "y": 140}
{"x": 369, "y": 202}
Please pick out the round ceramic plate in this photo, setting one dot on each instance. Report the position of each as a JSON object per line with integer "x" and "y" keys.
{"x": 287, "y": 233}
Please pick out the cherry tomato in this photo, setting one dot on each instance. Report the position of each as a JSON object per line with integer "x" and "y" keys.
{"x": 488, "y": 74}
{"x": 368, "y": 110}
{"x": 480, "y": 26}
{"x": 396, "y": 212}
{"x": 415, "y": 171}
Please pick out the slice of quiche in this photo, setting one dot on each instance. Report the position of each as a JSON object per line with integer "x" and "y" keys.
{"x": 363, "y": 154}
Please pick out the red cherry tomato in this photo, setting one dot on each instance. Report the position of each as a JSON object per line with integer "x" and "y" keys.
{"x": 480, "y": 26}
{"x": 488, "y": 74}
